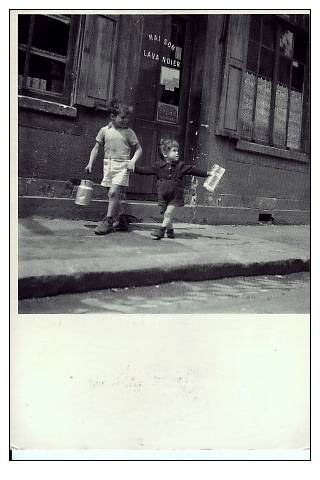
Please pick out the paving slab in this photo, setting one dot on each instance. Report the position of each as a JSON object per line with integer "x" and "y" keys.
{"x": 65, "y": 256}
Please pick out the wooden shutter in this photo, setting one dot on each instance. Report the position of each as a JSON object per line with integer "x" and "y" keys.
{"x": 234, "y": 67}
{"x": 95, "y": 77}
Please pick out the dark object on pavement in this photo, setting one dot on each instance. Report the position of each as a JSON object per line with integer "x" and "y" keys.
{"x": 122, "y": 224}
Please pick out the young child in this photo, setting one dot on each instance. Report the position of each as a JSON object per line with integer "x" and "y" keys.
{"x": 118, "y": 141}
{"x": 169, "y": 171}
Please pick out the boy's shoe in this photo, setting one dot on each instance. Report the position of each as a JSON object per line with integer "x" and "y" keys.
{"x": 158, "y": 234}
{"x": 104, "y": 227}
{"x": 122, "y": 224}
{"x": 170, "y": 233}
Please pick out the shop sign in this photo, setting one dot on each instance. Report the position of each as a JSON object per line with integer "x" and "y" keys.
{"x": 164, "y": 59}
{"x": 167, "y": 113}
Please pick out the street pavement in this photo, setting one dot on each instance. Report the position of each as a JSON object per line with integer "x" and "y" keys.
{"x": 239, "y": 295}
{"x": 65, "y": 256}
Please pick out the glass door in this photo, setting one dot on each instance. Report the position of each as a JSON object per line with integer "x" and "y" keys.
{"x": 163, "y": 88}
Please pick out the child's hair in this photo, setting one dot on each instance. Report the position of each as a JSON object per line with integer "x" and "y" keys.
{"x": 166, "y": 144}
{"x": 115, "y": 107}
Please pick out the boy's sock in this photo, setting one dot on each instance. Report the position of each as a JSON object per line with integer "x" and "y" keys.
{"x": 170, "y": 233}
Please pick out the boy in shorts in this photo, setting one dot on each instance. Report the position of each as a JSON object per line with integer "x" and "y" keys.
{"x": 169, "y": 171}
{"x": 118, "y": 141}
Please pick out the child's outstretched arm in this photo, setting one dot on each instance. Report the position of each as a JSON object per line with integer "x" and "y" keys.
{"x": 146, "y": 170}
{"x": 195, "y": 171}
{"x": 93, "y": 155}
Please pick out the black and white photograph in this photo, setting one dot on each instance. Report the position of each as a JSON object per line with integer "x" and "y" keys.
{"x": 162, "y": 188}
{"x": 163, "y": 163}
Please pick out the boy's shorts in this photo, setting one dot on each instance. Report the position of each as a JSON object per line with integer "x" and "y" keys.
{"x": 170, "y": 193}
{"x": 115, "y": 173}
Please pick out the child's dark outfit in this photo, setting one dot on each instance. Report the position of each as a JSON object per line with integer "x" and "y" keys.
{"x": 170, "y": 180}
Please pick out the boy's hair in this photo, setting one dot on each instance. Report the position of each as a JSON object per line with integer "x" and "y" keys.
{"x": 115, "y": 107}
{"x": 166, "y": 144}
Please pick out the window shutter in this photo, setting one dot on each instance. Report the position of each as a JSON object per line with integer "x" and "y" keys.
{"x": 95, "y": 76}
{"x": 233, "y": 70}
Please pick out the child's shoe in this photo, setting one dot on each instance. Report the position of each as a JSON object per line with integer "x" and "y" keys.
{"x": 105, "y": 226}
{"x": 170, "y": 233}
{"x": 122, "y": 224}
{"x": 158, "y": 234}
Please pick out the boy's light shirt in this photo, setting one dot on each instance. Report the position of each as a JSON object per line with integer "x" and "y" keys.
{"x": 117, "y": 142}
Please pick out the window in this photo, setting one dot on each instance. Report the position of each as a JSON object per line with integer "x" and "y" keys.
{"x": 45, "y": 55}
{"x": 274, "y": 82}
{"x": 170, "y": 74}
{"x": 161, "y": 68}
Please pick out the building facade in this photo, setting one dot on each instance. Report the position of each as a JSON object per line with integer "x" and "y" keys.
{"x": 233, "y": 89}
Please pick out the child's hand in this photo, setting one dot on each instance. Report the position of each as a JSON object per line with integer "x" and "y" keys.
{"x": 131, "y": 165}
{"x": 88, "y": 168}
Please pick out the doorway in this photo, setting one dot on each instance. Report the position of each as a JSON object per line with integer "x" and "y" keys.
{"x": 162, "y": 96}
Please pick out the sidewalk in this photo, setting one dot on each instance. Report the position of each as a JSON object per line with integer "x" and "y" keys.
{"x": 64, "y": 256}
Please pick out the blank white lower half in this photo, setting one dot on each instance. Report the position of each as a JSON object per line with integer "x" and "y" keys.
{"x": 184, "y": 382}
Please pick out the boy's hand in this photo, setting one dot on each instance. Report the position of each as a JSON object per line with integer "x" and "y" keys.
{"x": 88, "y": 168}
{"x": 131, "y": 165}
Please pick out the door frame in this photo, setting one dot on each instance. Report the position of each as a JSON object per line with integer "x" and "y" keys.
{"x": 183, "y": 127}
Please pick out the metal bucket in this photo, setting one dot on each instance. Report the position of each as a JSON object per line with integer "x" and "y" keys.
{"x": 84, "y": 193}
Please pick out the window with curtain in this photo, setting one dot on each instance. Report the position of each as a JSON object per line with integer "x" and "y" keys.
{"x": 274, "y": 84}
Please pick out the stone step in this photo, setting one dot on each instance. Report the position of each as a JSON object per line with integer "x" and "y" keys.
{"x": 55, "y": 207}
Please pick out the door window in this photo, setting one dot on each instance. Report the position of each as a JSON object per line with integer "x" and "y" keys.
{"x": 161, "y": 68}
